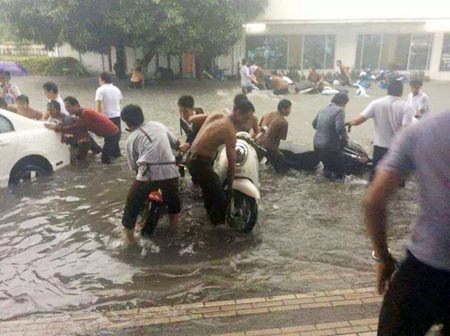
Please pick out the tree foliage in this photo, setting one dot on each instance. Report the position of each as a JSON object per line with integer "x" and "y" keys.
{"x": 207, "y": 28}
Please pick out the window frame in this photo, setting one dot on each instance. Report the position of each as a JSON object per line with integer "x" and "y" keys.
{"x": 326, "y": 39}
{"x": 12, "y": 129}
{"x": 442, "y": 67}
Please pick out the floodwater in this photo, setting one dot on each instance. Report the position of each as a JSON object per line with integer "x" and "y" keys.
{"x": 60, "y": 239}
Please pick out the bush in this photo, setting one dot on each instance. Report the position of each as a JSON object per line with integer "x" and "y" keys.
{"x": 49, "y": 66}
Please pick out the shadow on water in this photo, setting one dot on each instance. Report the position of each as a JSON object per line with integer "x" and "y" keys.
{"x": 61, "y": 245}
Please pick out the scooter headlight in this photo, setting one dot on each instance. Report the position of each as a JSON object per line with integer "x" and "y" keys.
{"x": 241, "y": 155}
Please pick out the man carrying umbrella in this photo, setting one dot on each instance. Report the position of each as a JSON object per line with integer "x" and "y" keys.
{"x": 10, "y": 92}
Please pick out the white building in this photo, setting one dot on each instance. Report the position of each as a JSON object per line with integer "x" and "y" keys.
{"x": 409, "y": 35}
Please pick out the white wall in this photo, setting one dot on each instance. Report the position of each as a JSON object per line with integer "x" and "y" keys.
{"x": 346, "y": 48}
{"x": 349, "y": 10}
{"x": 95, "y": 63}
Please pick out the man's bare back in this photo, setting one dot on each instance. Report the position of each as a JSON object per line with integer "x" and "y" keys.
{"x": 217, "y": 130}
{"x": 279, "y": 83}
{"x": 277, "y": 130}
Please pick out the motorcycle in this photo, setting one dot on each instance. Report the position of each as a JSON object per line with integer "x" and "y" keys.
{"x": 384, "y": 76}
{"x": 356, "y": 161}
{"x": 243, "y": 211}
{"x": 154, "y": 207}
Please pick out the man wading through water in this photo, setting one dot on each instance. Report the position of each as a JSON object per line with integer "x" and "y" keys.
{"x": 217, "y": 130}
{"x": 149, "y": 153}
{"x": 274, "y": 128}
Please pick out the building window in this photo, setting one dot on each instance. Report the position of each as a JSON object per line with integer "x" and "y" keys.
{"x": 419, "y": 56}
{"x": 368, "y": 52}
{"x": 445, "y": 57}
{"x": 318, "y": 51}
{"x": 271, "y": 51}
{"x": 395, "y": 51}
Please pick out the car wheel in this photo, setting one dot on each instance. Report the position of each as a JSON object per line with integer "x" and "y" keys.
{"x": 28, "y": 172}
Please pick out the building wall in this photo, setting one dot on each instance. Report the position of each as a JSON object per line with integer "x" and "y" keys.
{"x": 325, "y": 10}
{"x": 346, "y": 35}
{"x": 436, "y": 58}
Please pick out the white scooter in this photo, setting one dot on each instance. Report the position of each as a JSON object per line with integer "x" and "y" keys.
{"x": 243, "y": 212}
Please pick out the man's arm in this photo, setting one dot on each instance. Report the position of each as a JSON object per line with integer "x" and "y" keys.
{"x": 99, "y": 105}
{"x": 358, "y": 120}
{"x": 99, "y": 101}
{"x": 384, "y": 185}
{"x": 80, "y": 123}
{"x": 340, "y": 126}
{"x": 314, "y": 123}
{"x": 283, "y": 131}
{"x": 230, "y": 147}
{"x": 174, "y": 143}
{"x": 396, "y": 163}
{"x": 198, "y": 120}
{"x": 255, "y": 127}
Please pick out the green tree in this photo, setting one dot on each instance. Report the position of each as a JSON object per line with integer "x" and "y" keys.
{"x": 207, "y": 28}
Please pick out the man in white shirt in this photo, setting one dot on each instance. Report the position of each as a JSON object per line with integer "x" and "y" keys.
{"x": 108, "y": 98}
{"x": 51, "y": 91}
{"x": 418, "y": 99}
{"x": 253, "y": 69}
{"x": 390, "y": 114}
{"x": 247, "y": 78}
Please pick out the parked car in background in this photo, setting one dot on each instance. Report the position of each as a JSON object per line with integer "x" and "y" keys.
{"x": 28, "y": 150}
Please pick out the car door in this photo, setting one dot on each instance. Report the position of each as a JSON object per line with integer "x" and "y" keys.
{"x": 8, "y": 148}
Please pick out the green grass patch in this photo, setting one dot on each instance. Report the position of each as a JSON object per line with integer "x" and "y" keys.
{"x": 49, "y": 66}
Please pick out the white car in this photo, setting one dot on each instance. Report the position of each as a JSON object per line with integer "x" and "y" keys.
{"x": 28, "y": 150}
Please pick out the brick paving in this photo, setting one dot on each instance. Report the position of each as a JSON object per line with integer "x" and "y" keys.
{"x": 363, "y": 327}
{"x": 85, "y": 322}
{"x": 263, "y": 310}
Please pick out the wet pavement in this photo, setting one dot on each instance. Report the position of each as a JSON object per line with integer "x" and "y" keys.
{"x": 61, "y": 246}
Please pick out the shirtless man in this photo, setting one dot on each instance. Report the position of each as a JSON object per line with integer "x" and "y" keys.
{"x": 274, "y": 128}
{"x": 217, "y": 130}
{"x": 251, "y": 126}
{"x": 344, "y": 73}
{"x": 279, "y": 85}
{"x": 24, "y": 109}
{"x": 317, "y": 80}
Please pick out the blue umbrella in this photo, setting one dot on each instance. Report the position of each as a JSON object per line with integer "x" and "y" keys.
{"x": 13, "y": 68}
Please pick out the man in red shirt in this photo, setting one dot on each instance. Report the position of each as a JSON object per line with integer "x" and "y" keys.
{"x": 89, "y": 120}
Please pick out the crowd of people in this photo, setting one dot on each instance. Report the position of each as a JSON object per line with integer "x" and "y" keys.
{"x": 255, "y": 77}
{"x": 406, "y": 137}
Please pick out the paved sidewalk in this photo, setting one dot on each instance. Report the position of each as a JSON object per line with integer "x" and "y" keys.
{"x": 339, "y": 312}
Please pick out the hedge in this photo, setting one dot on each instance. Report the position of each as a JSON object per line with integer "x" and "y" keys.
{"x": 49, "y": 66}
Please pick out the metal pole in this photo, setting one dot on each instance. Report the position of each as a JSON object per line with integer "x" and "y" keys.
{"x": 411, "y": 38}
{"x": 381, "y": 50}
{"x": 363, "y": 47}
{"x": 303, "y": 52}
{"x": 430, "y": 47}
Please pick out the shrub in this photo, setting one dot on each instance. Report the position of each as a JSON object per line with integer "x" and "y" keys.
{"x": 49, "y": 66}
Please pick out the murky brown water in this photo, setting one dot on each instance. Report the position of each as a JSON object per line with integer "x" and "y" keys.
{"x": 60, "y": 240}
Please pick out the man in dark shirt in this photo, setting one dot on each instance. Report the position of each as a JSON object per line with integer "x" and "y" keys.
{"x": 330, "y": 137}
{"x": 274, "y": 128}
{"x": 91, "y": 121}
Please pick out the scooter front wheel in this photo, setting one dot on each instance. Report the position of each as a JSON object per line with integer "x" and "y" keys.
{"x": 243, "y": 214}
